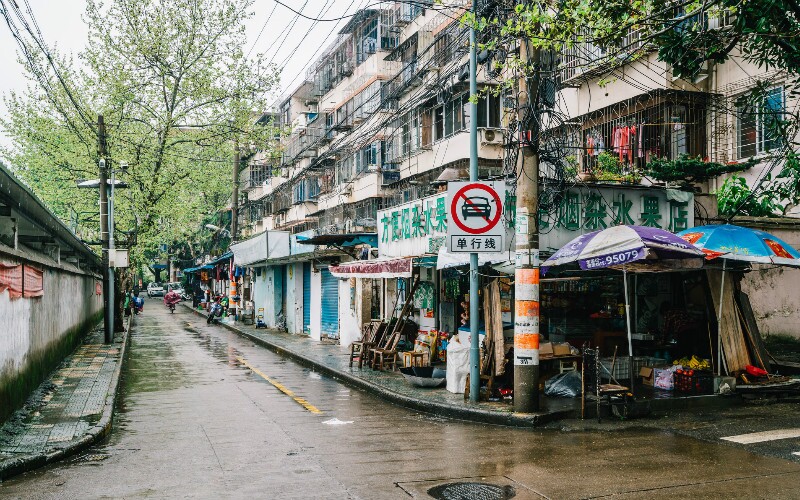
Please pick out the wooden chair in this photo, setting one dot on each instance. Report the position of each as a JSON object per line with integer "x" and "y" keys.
{"x": 611, "y": 395}
{"x": 370, "y": 333}
{"x": 386, "y": 356}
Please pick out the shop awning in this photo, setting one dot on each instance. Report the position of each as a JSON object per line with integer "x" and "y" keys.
{"x": 451, "y": 259}
{"x": 342, "y": 240}
{"x": 261, "y": 247}
{"x": 225, "y": 256}
{"x": 390, "y": 268}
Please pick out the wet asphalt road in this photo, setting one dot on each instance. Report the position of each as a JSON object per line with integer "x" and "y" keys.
{"x": 208, "y": 414}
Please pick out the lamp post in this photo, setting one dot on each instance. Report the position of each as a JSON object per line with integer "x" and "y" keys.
{"x": 107, "y": 240}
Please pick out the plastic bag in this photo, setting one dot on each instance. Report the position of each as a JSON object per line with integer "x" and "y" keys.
{"x": 457, "y": 366}
{"x": 564, "y": 385}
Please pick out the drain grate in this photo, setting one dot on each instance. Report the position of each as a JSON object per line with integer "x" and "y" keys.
{"x": 471, "y": 491}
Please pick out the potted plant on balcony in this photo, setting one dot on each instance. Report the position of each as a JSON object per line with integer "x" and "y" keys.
{"x": 611, "y": 170}
{"x": 688, "y": 170}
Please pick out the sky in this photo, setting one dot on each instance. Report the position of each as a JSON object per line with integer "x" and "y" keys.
{"x": 274, "y": 30}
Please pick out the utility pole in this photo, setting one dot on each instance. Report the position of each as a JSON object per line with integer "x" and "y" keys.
{"x": 235, "y": 195}
{"x": 108, "y": 279}
{"x": 474, "y": 347}
{"x": 526, "y": 283}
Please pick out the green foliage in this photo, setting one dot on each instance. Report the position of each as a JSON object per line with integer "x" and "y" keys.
{"x": 571, "y": 168}
{"x": 736, "y": 198}
{"x": 692, "y": 169}
{"x": 762, "y": 30}
{"x": 608, "y": 163}
{"x": 176, "y": 91}
{"x": 787, "y": 182}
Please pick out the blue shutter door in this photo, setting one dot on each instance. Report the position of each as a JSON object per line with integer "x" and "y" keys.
{"x": 306, "y": 297}
{"x": 330, "y": 305}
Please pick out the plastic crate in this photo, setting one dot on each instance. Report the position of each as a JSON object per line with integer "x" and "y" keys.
{"x": 696, "y": 383}
{"x": 621, "y": 367}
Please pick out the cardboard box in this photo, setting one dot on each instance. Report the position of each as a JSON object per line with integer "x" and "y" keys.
{"x": 546, "y": 350}
{"x": 648, "y": 375}
{"x": 561, "y": 350}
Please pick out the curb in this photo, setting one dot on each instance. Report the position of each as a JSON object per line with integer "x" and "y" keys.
{"x": 96, "y": 433}
{"x": 460, "y": 413}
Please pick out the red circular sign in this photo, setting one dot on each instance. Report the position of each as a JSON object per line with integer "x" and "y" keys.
{"x": 490, "y": 223}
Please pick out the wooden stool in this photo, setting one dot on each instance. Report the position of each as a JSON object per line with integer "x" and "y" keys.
{"x": 413, "y": 358}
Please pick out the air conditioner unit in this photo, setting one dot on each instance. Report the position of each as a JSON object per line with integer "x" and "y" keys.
{"x": 372, "y": 167}
{"x": 491, "y": 136}
{"x": 346, "y": 69}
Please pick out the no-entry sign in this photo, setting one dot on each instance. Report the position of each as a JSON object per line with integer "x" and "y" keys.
{"x": 475, "y": 222}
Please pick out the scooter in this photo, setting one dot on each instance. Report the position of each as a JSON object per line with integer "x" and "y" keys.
{"x": 170, "y": 300}
{"x": 215, "y": 313}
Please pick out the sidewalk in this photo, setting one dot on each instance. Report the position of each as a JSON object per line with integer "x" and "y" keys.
{"x": 70, "y": 411}
{"x": 333, "y": 360}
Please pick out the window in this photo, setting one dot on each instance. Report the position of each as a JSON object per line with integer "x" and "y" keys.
{"x": 453, "y": 117}
{"x": 299, "y": 192}
{"x": 758, "y": 127}
{"x": 344, "y": 170}
{"x": 438, "y": 123}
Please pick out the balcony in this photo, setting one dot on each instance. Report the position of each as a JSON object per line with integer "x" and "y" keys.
{"x": 302, "y": 143}
{"x": 586, "y": 60}
{"x": 660, "y": 124}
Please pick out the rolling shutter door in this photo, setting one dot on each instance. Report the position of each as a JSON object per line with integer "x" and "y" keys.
{"x": 330, "y": 305}
{"x": 306, "y": 297}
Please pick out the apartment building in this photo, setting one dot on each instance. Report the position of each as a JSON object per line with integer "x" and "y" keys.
{"x": 380, "y": 124}
{"x": 380, "y": 116}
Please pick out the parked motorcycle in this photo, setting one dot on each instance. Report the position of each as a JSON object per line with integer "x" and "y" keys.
{"x": 215, "y": 313}
{"x": 170, "y": 300}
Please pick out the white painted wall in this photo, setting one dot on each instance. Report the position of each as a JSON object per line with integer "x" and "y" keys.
{"x": 349, "y": 311}
{"x": 33, "y": 326}
{"x": 294, "y": 298}
{"x": 261, "y": 297}
{"x": 316, "y": 305}
{"x": 773, "y": 292}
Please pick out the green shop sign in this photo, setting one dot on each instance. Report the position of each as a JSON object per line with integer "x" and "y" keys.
{"x": 419, "y": 227}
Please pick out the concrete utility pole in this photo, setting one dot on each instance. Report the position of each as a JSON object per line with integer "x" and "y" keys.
{"x": 108, "y": 277}
{"x": 526, "y": 286}
{"x": 235, "y": 194}
{"x": 474, "y": 347}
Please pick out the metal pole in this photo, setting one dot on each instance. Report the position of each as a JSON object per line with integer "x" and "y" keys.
{"x": 628, "y": 325}
{"x": 235, "y": 193}
{"x": 474, "y": 347}
{"x": 108, "y": 314}
{"x": 526, "y": 273}
{"x": 719, "y": 320}
{"x": 111, "y": 275}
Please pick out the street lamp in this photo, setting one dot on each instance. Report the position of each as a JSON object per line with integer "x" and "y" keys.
{"x": 223, "y": 232}
{"x": 108, "y": 277}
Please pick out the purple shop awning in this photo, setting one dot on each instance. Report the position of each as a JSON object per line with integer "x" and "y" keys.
{"x": 393, "y": 268}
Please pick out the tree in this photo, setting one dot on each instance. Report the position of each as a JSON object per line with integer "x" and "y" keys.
{"x": 176, "y": 90}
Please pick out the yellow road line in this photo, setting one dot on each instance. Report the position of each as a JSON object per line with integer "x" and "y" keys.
{"x": 302, "y": 402}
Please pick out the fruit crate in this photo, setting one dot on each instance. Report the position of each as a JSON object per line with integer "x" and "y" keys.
{"x": 693, "y": 382}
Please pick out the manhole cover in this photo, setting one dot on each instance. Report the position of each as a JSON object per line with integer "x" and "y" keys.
{"x": 471, "y": 491}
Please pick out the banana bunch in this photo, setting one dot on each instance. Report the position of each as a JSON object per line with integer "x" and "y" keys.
{"x": 693, "y": 363}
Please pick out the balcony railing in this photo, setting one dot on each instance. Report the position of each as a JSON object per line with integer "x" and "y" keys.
{"x": 585, "y": 59}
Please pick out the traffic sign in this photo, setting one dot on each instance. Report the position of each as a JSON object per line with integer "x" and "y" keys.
{"x": 475, "y": 221}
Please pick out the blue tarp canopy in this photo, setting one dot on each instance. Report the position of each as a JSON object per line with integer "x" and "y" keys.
{"x": 159, "y": 266}
{"x": 225, "y": 256}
